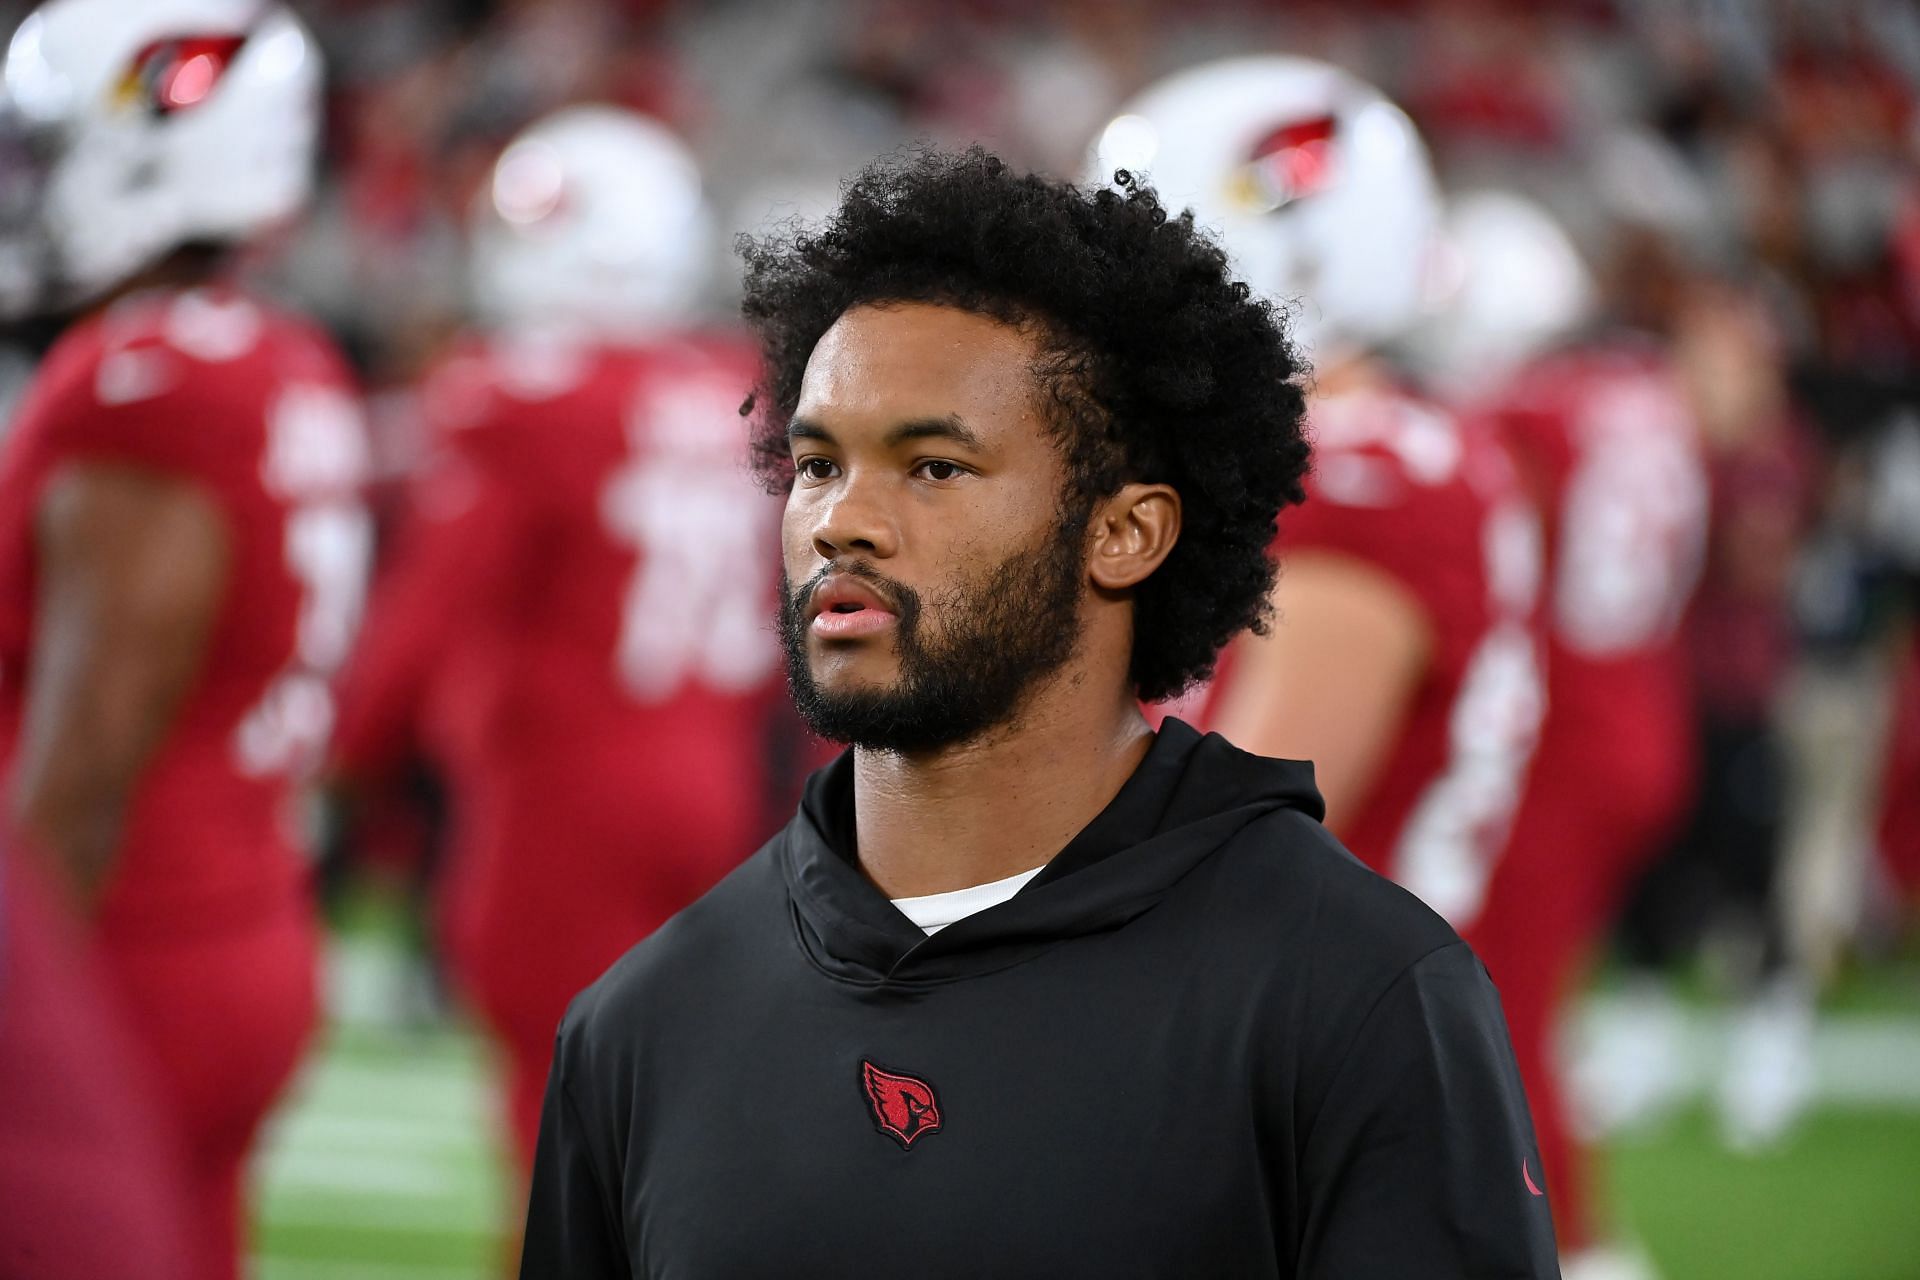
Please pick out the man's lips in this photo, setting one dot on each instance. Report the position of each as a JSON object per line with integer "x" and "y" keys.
{"x": 844, "y": 608}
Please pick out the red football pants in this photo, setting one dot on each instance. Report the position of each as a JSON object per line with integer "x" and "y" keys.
{"x": 1535, "y": 946}
{"x": 567, "y": 857}
{"x": 1552, "y": 901}
{"x": 222, "y": 1016}
{"x": 534, "y": 918}
{"x": 1899, "y": 832}
{"x": 520, "y": 963}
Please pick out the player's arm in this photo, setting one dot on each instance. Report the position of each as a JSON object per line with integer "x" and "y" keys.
{"x": 1420, "y": 1158}
{"x": 1333, "y": 680}
{"x": 132, "y": 568}
{"x": 457, "y": 563}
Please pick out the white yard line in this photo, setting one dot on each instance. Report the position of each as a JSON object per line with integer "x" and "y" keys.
{"x": 272, "y": 1268}
{"x": 368, "y": 1176}
{"x": 371, "y": 1087}
{"x": 464, "y": 1136}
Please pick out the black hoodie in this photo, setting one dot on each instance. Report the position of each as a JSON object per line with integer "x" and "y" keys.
{"x": 1204, "y": 1041}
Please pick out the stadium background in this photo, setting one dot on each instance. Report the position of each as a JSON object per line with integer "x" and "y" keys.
{"x": 1764, "y": 155}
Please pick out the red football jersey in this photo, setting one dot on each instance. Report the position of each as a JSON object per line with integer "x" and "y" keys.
{"x": 1405, "y": 487}
{"x": 257, "y": 409}
{"x": 580, "y": 612}
{"x": 1611, "y": 447}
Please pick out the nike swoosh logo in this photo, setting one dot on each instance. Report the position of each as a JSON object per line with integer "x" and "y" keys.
{"x": 1527, "y": 1174}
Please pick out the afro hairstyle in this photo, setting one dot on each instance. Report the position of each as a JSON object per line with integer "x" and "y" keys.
{"x": 1157, "y": 365}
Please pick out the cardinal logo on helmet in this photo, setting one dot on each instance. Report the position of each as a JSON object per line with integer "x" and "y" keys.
{"x": 171, "y": 75}
{"x": 1286, "y": 164}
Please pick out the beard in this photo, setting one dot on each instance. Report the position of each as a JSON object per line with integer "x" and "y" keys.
{"x": 998, "y": 636}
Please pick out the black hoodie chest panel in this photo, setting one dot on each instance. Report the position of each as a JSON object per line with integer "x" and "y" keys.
{"x": 1097, "y": 1109}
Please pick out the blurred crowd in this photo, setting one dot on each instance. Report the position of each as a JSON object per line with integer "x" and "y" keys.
{"x": 1738, "y": 183}
{"x": 1771, "y": 143}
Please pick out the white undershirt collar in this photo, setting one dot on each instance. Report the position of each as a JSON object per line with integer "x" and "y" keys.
{"x": 935, "y": 911}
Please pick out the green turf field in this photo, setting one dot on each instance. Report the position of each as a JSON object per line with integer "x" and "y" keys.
{"x": 384, "y": 1165}
{"x": 1839, "y": 1201}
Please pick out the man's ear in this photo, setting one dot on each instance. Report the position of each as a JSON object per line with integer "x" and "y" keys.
{"x": 1132, "y": 533}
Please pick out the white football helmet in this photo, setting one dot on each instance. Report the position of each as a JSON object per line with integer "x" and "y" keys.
{"x": 133, "y": 127}
{"x": 594, "y": 219}
{"x": 1318, "y": 187}
{"x": 1512, "y": 283}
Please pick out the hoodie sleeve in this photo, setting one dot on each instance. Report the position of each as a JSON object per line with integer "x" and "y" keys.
{"x": 573, "y": 1219}
{"x": 1421, "y": 1159}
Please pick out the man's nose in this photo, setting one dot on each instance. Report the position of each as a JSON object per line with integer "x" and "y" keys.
{"x": 855, "y": 521}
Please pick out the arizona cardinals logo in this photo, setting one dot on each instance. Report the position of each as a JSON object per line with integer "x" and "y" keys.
{"x": 903, "y": 1107}
{"x": 171, "y": 75}
{"x": 1288, "y": 163}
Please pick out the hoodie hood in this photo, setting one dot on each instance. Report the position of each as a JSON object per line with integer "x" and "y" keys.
{"x": 1190, "y": 795}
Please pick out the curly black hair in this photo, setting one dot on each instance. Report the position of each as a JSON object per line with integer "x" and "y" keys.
{"x": 1159, "y": 365}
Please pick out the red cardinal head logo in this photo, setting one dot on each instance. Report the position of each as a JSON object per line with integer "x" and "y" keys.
{"x": 903, "y": 1107}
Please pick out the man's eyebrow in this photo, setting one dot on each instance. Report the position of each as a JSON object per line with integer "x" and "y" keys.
{"x": 946, "y": 427}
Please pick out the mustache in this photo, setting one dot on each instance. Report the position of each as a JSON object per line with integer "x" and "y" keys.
{"x": 902, "y": 599}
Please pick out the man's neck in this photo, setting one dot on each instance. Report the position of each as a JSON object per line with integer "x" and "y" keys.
{"x": 997, "y": 805}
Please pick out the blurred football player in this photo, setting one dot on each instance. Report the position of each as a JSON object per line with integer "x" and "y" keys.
{"x": 1610, "y": 445}
{"x": 1404, "y": 660}
{"x": 1755, "y": 804}
{"x": 580, "y": 607}
{"x": 1510, "y": 285}
{"x": 180, "y": 542}
{"x": 1898, "y": 826}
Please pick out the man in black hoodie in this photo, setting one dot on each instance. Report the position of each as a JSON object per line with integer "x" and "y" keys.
{"x": 1026, "y": 989}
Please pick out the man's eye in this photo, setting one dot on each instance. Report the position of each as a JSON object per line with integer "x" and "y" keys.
{"x": 936, "y": 469}
{"x": 814, "y": 469}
